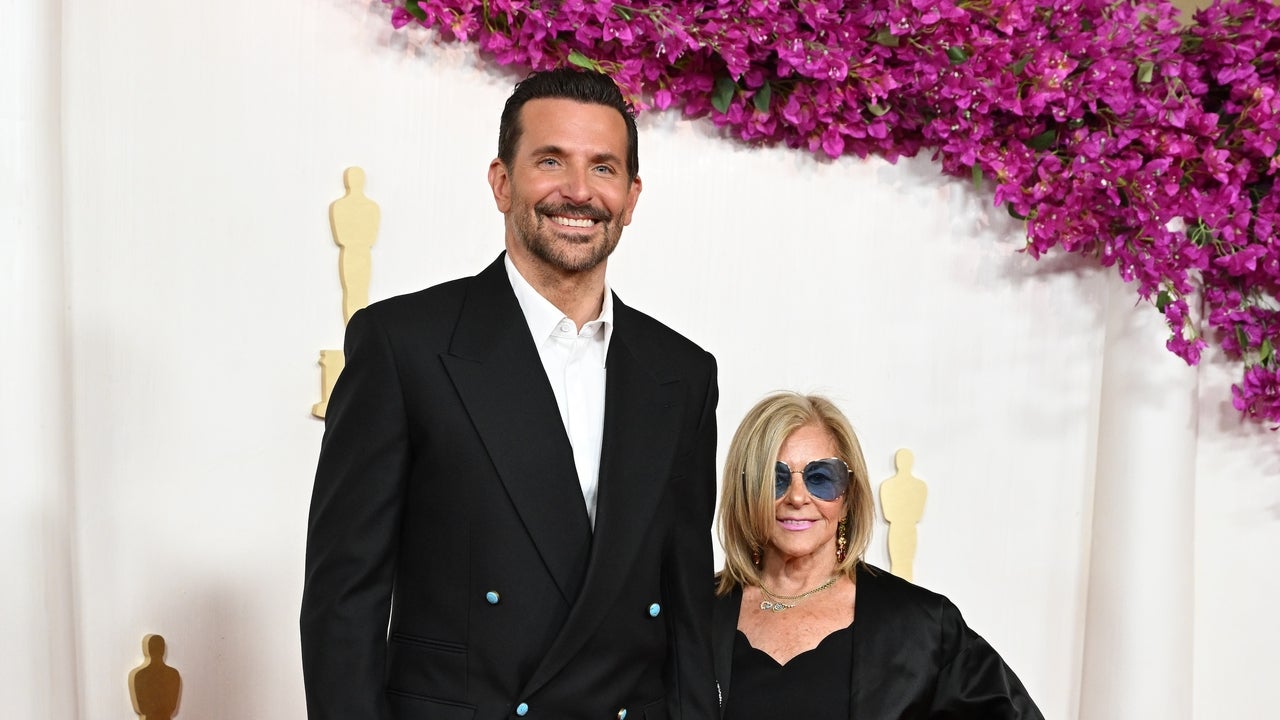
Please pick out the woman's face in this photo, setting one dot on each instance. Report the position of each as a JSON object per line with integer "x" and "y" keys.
{"x": 804, "y": 525}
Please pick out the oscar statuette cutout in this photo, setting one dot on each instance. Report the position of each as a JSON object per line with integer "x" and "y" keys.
{"x": 354, "y": 219}
{"x": 902, "y": 500}
{"x": 154, "y": 686}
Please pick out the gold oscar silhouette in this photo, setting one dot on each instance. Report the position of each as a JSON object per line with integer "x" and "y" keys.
{"x": 902, "y": 499}
{"x": 154, "y": 686}
{"x": 354, "y": 220}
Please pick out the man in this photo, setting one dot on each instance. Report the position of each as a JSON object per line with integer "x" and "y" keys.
{"x": 512, "y": 509}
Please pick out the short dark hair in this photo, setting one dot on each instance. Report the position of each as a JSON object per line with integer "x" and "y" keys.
{"x": 582, "y": 86}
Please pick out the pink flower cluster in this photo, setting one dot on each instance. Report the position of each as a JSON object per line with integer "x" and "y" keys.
{"x": 1112, "y": 130}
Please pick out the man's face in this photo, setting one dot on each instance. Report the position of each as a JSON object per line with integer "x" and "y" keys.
{"x": 566, "y": 195}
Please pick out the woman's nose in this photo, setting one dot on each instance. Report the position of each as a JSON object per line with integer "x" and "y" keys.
{"x": 797, "y": 493}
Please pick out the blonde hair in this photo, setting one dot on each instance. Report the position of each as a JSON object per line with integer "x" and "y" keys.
{"x": 746, "y": 515}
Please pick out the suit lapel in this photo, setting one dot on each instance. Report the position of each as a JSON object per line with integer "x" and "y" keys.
{"x": 724, "y": 628}
{"x": 642, "y": 420}
{"x": 497, "y": 372}
{"x": 873, "y": 641}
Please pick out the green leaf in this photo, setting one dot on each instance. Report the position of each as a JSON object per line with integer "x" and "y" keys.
{"x": 1044, "y": 140}
{"x": 1199, "y": 233}
{"x": 1163, "y": 300}
{"x": 886, "y": 38}
{"x": 623, "y": 12}
{"x": 577, "y": 58}
{"x": 877, "y": 109}
{"x": 957, "y": 54}
{"x": 1266, "y": 352}
{"x": 723, "y": 94}
{"x": 1145, "y": 71}
{"x": 1017, "y": 67}
{"x": 415, "y": 10}
{"x": 1014, "y": 213}
{"x": 762, "y": 97}
{"x": 1242, "y": 338}
{"x": 976, "y": 173}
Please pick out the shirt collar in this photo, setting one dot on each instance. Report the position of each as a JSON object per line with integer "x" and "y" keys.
{"x": 543, "y": 317}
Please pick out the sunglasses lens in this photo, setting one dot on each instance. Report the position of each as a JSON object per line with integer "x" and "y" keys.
{"x": 826, "y": 479}
{"x": 783, "y": 479}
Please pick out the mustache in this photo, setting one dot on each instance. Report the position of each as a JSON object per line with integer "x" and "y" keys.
{"x": 581, "y": 211}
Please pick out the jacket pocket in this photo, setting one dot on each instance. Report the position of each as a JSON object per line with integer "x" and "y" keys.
{"x": 427, "y": 668}
{"x": 655, "y": 710}
{"x": 408, "y": 707}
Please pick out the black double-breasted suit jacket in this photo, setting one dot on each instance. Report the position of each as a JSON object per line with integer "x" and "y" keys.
{"x": 451, "y": 569}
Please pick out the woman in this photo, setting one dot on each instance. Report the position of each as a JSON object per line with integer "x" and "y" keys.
{"x": 803, "y": 627}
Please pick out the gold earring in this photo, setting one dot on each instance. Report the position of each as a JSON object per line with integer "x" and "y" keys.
{"x": 755, "y": 556}
{"x": 842, "y": 539}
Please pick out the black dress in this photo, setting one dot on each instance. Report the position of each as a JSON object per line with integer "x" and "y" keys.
{"x": 816, "y": 681}
{"x": 907, "y": 656}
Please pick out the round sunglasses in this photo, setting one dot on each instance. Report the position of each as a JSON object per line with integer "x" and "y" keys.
{"x": 826, "y": 479}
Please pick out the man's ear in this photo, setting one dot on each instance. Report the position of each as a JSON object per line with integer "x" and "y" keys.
{"x": 500, "y": 181}
{"x": 633, "y": 196}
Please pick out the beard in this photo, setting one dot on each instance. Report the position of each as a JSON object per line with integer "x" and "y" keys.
{"x": 565, "y": 251}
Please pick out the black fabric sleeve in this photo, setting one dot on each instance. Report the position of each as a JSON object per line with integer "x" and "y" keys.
{"x": 352, "y": 531}
{"x": 974, "y": 682}
{"x": 687, "y": 567}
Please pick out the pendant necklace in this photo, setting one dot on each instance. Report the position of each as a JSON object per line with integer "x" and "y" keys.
{"x": 775, "y": 603}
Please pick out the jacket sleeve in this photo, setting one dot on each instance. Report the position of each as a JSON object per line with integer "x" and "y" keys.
{"x": 974, "y": 682}
{"x": 352, "y": 531}
{"x": 687, "y": 570}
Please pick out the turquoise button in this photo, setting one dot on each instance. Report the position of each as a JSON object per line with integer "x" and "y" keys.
{"x": 654, "y": 609}
{"x": 522, "y": 709}
{"x": 492, "y": 597}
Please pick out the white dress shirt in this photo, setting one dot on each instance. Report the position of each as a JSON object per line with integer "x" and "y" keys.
{"x": 575, "y": 364}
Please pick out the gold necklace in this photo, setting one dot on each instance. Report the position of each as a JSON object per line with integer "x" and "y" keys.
{"x": 775, "y": 602}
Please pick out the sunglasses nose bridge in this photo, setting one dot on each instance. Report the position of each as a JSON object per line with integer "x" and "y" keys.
{"x": 795, "y": 490}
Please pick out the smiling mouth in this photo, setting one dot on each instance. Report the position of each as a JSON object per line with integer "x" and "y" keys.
{"x": 566, "y": 215}
{"x": 572, "y": 221}
{"x": 795, "y": 524}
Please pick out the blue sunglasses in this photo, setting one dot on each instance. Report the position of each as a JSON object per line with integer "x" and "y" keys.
{"x": 826, "y": 479}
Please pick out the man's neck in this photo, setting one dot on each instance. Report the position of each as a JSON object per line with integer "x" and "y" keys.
{"x": 579, "y": 295}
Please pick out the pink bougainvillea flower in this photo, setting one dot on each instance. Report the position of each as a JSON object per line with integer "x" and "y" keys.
{"x": 1116, "y": 133}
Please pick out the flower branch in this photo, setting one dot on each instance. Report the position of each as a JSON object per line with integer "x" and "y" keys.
{"x": 1109, "y": 128}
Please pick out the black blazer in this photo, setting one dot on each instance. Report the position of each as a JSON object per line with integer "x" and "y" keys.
{"x": 451, "y": 569}
{"x": 913, "y": 657}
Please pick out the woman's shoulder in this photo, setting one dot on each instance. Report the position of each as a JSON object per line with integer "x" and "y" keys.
{"x": 885, "y": 596}
{"x": 910, "y": 621}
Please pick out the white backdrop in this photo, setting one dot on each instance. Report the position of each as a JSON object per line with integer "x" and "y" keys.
{"x": 1096, "y": 509}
